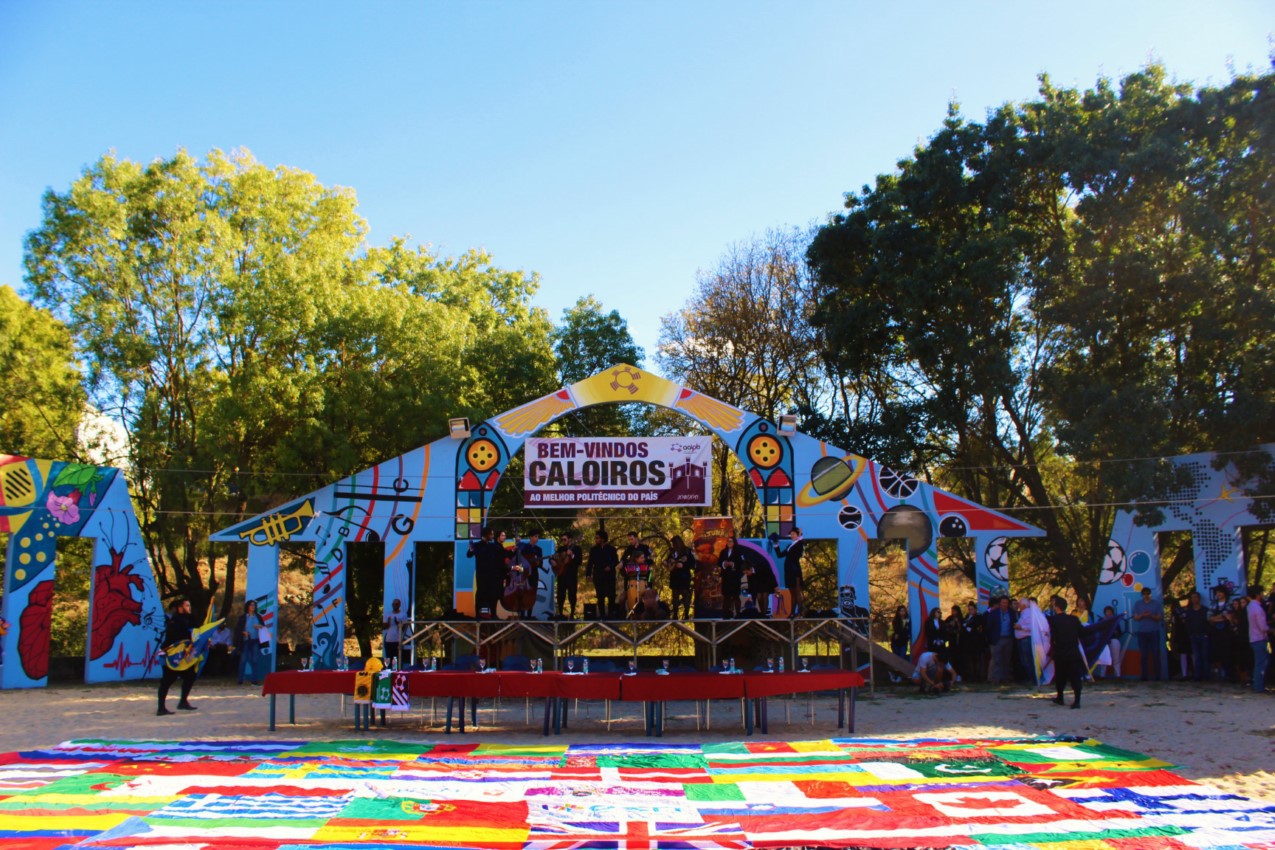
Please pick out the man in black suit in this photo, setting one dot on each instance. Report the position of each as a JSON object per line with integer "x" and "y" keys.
{"x": 1064, "y": 647}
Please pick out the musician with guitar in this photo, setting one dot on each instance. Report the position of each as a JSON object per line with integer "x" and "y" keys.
{"x": 179, "y": 662}
{"x": 566, "y": 571}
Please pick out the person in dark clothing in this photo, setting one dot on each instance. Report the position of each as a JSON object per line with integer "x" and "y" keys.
{"x": 601, "y": 569}
{"x": 935, "y": 631}
{"x": 1196, "y": 618}
{"x": 792, "y": 569}
{"x": 567, "y": 560}
{"x": 761, "y": 583}
{"x": 1064, "y": 647}
{"x": 733, "y": 563}
{"x": 974, "y": 644}
{"x": 531, "y": 557}
{"x": 178, "y": 630}
{"x": 681, "y": 565}
{"x": 900, "y": 632}
{"x": 490, "y": 565}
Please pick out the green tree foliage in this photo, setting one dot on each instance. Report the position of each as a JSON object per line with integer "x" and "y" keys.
{"x": 1075, "y": 281}
{"x": 745, "y": 337}
{"x": 41, "y": 401}
{"x": 586, "y": 342}
{"x": 231, "y": 317}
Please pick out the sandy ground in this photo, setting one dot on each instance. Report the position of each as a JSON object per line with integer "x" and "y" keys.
{"x": 1215, "y": 734}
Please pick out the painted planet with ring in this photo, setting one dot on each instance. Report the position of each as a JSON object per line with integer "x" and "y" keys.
{"x": 831, "y": 478}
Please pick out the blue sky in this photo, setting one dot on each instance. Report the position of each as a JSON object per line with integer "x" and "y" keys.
{"x": 614, "y": 148}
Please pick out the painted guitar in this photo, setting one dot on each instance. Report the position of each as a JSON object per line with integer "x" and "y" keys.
{"x": 190, "y": 653}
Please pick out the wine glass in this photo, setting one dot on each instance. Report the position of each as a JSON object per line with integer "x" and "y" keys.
{"x": 632, "y": 666}
{"x": 482, "y": 665}
{"x": 571, "y": 665}
{"x": 805, "y": 665}
{"x": 770, "y": 665}
{"x": 664, "y": 664}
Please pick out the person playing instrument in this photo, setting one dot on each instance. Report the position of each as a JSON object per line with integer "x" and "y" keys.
{"x": 601, "y": 568}
{"x": 631, "y": 552}
{"x": 531, "y": 557}
{"x": 393, "y": 626}
{"x": 566, "y": 568}
{"x": 248, "y": 641}
{"x": 681, "y": 563}
{"x": 178, "y": 630}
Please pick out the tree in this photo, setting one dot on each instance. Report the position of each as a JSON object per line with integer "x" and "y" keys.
{"x": 41, "y": 401}
{"x": 586, "y": 342}
{"x": 232, "y": 319}
{"x": 1038, "y": 277}
{"x": 744, "y": 337}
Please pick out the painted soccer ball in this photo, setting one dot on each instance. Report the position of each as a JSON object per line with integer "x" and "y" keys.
{"x": 996, "y": 558}
{"x": 1114, "y": 564}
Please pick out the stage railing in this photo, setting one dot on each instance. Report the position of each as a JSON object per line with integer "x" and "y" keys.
{"x": 557, "y": 638}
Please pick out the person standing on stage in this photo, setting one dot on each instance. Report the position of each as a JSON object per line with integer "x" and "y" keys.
{"x": 567, "y": 579}
{"x": 733, "y": 563}
{"x": 631, "y": 559}
{"x": 531, "y": 556}
{"x": 1064, "y": 647}
{"x": 792, "y": 569}
{"x": 603, "y": 560}
{"x": 393, "y": 626}
{"x": 681, "y": 569}
{"x": 489, "y": 573}
{"x": 178, "y": 629}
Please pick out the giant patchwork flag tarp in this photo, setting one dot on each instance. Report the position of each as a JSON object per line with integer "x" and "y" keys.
{"x": 1063, "y": 794}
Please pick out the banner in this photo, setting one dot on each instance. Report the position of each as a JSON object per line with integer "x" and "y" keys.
{"x": 635, "y": 472}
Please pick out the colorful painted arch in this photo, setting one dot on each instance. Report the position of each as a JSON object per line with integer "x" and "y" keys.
{"x": 442, "y": 492}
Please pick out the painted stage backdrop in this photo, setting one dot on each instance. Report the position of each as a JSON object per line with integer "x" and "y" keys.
{"x": 442, "y": 492}
{"x": 1212, "y": 503}
{"x": 40, "y": 501}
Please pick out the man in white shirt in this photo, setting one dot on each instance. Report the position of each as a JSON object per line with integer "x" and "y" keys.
{"x": 933, "y": 673}
{"x": 393, "y": 626}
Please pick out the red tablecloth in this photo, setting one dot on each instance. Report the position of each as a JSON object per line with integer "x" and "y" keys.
{"x": 774, "y": 684}
{"x": 651, "y": 687}
{"x": 455, "y": 684}
{"x": 308, "y": 682}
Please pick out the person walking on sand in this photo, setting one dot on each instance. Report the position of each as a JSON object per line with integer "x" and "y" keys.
{"x": 1064, "y": 648}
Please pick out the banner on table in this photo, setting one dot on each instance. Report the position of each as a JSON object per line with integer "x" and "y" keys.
{"x": 591, "y": 472}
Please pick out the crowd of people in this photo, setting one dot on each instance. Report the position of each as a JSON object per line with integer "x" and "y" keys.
{"x": 625, "y": 580}
{"x": 1229, "y": 641}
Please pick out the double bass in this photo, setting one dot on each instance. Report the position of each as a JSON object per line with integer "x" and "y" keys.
{"x": 519, "y": 594}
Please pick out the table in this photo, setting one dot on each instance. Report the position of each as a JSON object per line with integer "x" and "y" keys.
{"x": 557, "y": 688}
{"x": 655, "y": 690}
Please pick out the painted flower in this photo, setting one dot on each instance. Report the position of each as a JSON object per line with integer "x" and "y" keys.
{"x": 64, "y": 509}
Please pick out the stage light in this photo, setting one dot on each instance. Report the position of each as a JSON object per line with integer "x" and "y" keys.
{"x": 788, "y": 424}
{"x": 458, "y": 427}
